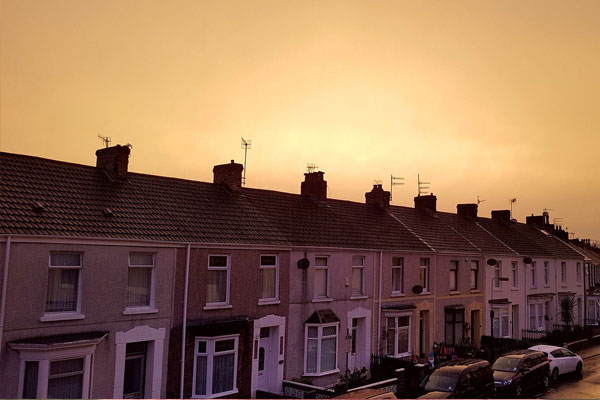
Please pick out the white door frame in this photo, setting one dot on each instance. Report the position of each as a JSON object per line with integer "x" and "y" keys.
{"x": 270, "y": 321}
{"x": 362, "y": 354}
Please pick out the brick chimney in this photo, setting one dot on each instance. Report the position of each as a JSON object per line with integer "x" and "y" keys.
{"x": 501, "y": 216}
{"x": 228, "y": 174}
{"x": 314, "y": 185}
{"x": 468, "y": 210}
{"x": 537, "y": 220}
{"x": 426, "y": 202}
{"x": 378, "y": 197}
{"x": 114, "y": 160}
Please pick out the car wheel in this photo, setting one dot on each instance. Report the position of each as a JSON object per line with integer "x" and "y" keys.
{"x": 518, "y": 391}
{"x": 546, "y": 382}
{"x": 555, "y": 374}
{"x": 579, "y": 369}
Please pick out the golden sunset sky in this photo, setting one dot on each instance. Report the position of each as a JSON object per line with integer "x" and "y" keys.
{"x": 497, "y": 99}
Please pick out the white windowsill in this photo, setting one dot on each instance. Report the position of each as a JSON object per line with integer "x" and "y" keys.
{"x": 217, "y": 306}
{"x": 214, "y": 396}
{"x": 397, "y": 294}
{"x": 359, "y": 297}
{"x": 268, "y": 302}
{"x": 514, "y": 289}
{"x": 139, "y": 310}
{"x": 475, "y": 291}
{"x": 333, "y": 371}
{"x": 424, "y": 293}
{"x": 454, "y": 292}
{"x": 61, "y": 317}
{"x": 322, "y": 300}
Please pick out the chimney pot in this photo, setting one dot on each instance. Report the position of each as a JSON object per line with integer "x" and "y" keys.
{"x": 314, "y": 185}
{"x": 229, "y": 175}
{"x": 378, "y": 197}
{"x": 114, "y": 160}
{"x": 501, "y": 216}
{"x": 468, "y": 210}
{"x": 426, "y": 202}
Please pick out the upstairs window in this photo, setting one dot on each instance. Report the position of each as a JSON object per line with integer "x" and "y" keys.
{"x": 397, "y": 275}
{"x": 563, "y": 272}
{"x": 321, "y": 278}
{"x": 453, "y": 275}
{"x": 217, "y": 289}
{"x": 358, "y": 276}
{"x": 546, "y": 273}
{"x": 533, "y": 274}
{"x": 515, "y": 275}
{"x": 64, "y": 281}
{"x": 497, "y": 274}
{"x": 579, "y": 275}
{"x": 140, "y": 282}
{"x": 424, "y": 274}
{"x": 269, "y": 289}
{"x": 474, "y": 274}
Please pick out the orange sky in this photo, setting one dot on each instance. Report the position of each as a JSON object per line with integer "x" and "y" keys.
{"x": 492, "y": 98}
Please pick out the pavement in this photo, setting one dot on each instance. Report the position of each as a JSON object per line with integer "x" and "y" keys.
{"x": 588, "y": 352}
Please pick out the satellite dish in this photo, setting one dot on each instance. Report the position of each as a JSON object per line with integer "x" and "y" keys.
{"x": 417, "y": 289}
{"x": 491, "y": 261}
{"x": 527, "y": 260}
{"x": 303, "y": 263}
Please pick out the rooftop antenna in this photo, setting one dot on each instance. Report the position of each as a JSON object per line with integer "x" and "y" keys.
{"x": 246, "y": 144}
{"x": 106, "y": 140}
{"x": 479, "y": 201}
{"x": 395, "y": 181}
{"x": 422, "y": 186}
{"x": 311, "y": 167}
{"x": 513, "y": 200}
{"x": 557, "y": 220}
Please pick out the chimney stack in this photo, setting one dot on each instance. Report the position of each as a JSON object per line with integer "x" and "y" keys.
{"x": 501, "y": 216}
{"x": 229, "y": 175}
{"x": 378, "y": 197}
{"x": 537, "y": 220}
{"x": 114, "y": 160}
{"x": 426, "y": 202}
{"x": 314, "y": 185}
{"x": 468, "y": 210}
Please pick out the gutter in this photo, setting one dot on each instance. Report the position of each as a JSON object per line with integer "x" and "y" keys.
{"x": 4, "y": 287}
{"x": 184, "y": 322}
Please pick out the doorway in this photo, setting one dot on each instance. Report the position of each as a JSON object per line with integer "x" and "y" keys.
{"x": 476, "y": 328}
{"x": 135, "y": 371}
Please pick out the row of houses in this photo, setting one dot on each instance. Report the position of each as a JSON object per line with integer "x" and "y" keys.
{"x": 125, "y": 285}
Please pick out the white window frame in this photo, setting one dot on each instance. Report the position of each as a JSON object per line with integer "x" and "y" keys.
{"x": 515, "y": 274}
{"x": 326, "y": 297}
{"x": 533, "y": 274}
{"x": 563, "y": 273}
{"x": 501, "y": 314}
{"x": 579, "y": 273}
{"x": 151, "y": 307}
{"x": 65, "y": 315}
{"x": 396, "y": 329}
{"x": 475, "y": 272}
{"x": 361, "y": 269}
{"x": 454, "y": 267}
{"x": 497, "y": 275}
{"x": 546, "y": 273}
{"x": 227, "y": 268}
{"x": 538, "y": 306}
{"x": 425, "y": 269}
{"x": 210, "y": 354}
{"x": 270, "y": 300}
{"x": 319, "y": 338}
{"x": 399, "y": 269}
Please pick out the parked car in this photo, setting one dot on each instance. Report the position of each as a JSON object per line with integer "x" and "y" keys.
{"x": 520, "y": 372}
{"x": 367, "y": 394}
{"x": 562, "y": 361}
{"x": 464, "y": 379}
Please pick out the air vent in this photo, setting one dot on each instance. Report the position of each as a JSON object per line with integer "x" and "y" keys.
{"x": 108, "y": 212}
{"x": 37, "y": 206}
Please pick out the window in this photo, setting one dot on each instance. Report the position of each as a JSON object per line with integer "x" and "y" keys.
{"x": 397, "y": 275}
{"x": 536, "y": 316}
{"x": 135, "y": 370}
{"x": 140, "y": 282}
{"x": 563, "y": 272}
{"x": 546, "y": 273}
{"x": 454, "y": 326}
{"x": 474, "y": 274}
{"x": 533, "y": 274}
{"x": 321, "y": 277}
{"x": 578, "y": 266}
{"x": 424, "y": 274}
{"x": 269, "y": 289}
{"x": 358, "y": 276}
{"x": 500, "y": 322}
{"x": 215, "y": 366}
{"x": 217, "y": 288}
{"x": 398, "y": 336}
{"x": 497, "y": 274}
{"x": 515, "y": 274}
{"x": 64, "y": 282}
{"x": 320, "y": 349}
{"x": 453, "y": 275}
{"x": 354, "y": 335}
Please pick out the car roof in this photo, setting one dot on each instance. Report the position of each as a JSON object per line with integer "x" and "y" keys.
{"x": 545, "y": 347}
{"x": 367, "y": 394}
{"x": 521, "y": 353}
{"x": 457, "y": 366}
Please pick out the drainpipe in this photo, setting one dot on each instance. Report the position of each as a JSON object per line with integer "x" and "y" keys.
{"x": 379, "y": 303}
{"x": 184, "y": 322}
{"x": 4, "y": 287}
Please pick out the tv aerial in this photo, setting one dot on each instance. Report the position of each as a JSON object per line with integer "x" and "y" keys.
{"x": 106, "y": 140}
{"x": 246, "y": 144}
{"x": 395, "y": 181}
{"x": 422, "y": 185}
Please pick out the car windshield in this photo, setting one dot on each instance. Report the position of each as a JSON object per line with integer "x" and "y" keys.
{"x": 439, "y": 382}
{"x": 507, "y": 364}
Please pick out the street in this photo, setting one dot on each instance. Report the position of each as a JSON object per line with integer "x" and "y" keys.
{"x": 587, "y": 387}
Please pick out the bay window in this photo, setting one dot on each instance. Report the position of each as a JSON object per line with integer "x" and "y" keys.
{"x": 398, "y": 336}
{"x": 320, "y": 349}
{"x": 215, "y": 366}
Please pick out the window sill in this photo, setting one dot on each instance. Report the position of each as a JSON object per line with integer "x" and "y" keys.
{"x": 61, "y": 317}
{"x": 359, "y": 297}
{"x": 268, "y": 302}
{"x": 217, "y": 306}
{"x": 454, "y": 292}
{"x": 424, "y": 293}
{"x": 397, "y": 294}
{"x": 514, "y": 289}
{"x": 333, "y": 371}
{"x": 547, "y": 286}
{"x": 217, "y": 395}
{"x": 139, "y": 310}
{"x": 322, "y": 300}
{"x": 475, "y": 291}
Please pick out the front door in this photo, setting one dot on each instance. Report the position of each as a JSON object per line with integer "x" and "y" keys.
{"x": 267, "y": 359}
{"x": 355, "y": 356}
{"x": 135, "y": 371}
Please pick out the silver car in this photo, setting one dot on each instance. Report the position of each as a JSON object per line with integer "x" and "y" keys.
{"x": 562, "y": 361}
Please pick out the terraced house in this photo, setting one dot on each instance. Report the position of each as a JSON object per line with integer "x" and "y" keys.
{"x": 119, "y": 284}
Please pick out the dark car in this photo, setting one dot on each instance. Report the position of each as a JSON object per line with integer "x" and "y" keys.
{"x": 465, "y": 379}
{"x": 520, "y": 372}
